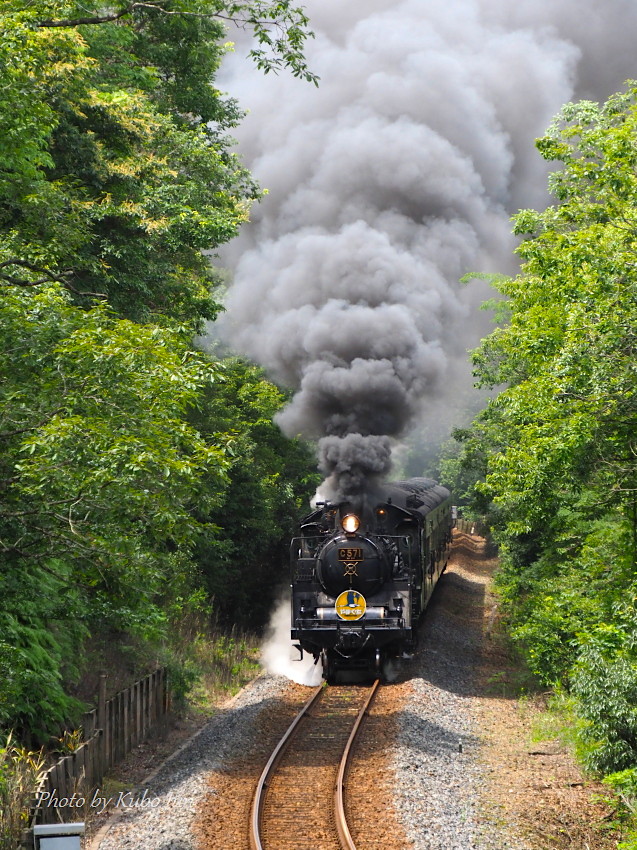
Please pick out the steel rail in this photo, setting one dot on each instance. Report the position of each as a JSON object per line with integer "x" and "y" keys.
{"x": 257, "y": 804}
{"x": 340, "y": 820}
{"x": 344, "y": 835}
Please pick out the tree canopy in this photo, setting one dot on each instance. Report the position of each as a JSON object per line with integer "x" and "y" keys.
{"x": 555, "y": 452}
{"x": 115, "y": 166}
{"x": 139, "y": 476}
{"x": 568, "y": 351}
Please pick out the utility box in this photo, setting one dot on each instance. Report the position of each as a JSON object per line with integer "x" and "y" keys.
{"x": 58, "y": 836}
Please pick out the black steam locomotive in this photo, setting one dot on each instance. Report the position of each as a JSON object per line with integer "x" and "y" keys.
{"x": 361, "y": 577}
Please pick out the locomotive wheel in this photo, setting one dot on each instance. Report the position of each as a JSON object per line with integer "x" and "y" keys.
{"x": 329, "y": 667}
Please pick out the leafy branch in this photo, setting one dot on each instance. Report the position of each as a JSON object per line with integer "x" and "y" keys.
{"x": 48, "y": 277}
{"x": 279, "y": 27}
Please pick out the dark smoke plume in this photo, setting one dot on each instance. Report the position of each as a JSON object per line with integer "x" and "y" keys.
{"x": 387, "y": 184}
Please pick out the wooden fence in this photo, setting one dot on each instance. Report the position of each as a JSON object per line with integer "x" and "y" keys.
{"x": 471, "y": 526}
{"x": 110, "y": 731}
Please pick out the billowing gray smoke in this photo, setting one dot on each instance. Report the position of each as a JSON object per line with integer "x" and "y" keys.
{"x": 387, "y": 184}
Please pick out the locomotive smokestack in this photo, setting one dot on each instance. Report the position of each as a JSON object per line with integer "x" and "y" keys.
{"x": 387, "y": 184}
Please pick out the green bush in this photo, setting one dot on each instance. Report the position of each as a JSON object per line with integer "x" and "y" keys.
{"x": 624, "y": 784}
{"x": 604, "y": 683}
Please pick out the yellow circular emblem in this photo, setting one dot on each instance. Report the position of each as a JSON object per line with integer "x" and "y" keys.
{"x": 350, "y": 605}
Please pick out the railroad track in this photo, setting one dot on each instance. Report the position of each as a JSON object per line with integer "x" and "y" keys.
{"x": 299, "y": 802}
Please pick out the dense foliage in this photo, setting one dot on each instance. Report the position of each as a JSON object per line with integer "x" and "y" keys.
{"x": 263, "y": 500}
{"x": 554, "y": 455}
{"x": 139, "y": 477}
{"x": 115, "y": 171}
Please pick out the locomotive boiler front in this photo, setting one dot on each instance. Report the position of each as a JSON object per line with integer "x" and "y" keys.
{"x": 352, "y": 562}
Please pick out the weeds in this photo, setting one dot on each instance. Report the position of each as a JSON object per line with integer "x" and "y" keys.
{"x": 227, "y": 662}
{"x": 70, "y": 741}
{"x": 20, "y": 774}
{"x": 209, "y": 662}
{"x": 556, "y": 720}
{"x": 206, "y": 663}
{"x": 624, "y": 784}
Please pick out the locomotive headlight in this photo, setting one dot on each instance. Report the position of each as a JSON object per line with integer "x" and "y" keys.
{"x": 350, "y": 523}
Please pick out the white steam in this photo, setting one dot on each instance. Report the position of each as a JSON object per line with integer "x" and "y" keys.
{"x": 280, "y": 658}
{"x": 386, "y": 185}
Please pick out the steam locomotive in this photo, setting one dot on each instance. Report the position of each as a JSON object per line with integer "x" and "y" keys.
{"x": 362, "y": 576}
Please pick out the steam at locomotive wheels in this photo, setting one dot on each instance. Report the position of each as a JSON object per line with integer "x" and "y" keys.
{"x": 363, "y": 574}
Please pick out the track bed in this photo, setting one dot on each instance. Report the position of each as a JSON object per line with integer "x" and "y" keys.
{"x": 299, "y": 801}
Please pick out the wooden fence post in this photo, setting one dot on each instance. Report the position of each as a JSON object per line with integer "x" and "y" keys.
{"x": 102, "y": 722}
{"x": 125, "y": 726}
{"x": 116, "y": 726}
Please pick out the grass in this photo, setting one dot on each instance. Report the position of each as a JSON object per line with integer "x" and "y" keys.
{"x": 210, "y": 663}
{"x": 556, "y": 721}
{"x": 227, "y": 662}
{"x": 20, "y": 773}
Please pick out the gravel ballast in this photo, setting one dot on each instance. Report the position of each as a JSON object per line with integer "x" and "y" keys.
{"x": 160, "y": 815}
{"x": 439, "y": 778}
{"x": 433, "y": 753}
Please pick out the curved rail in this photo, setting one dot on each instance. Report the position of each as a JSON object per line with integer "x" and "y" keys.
{"x": 340, "y": 821}
{"x": 344, "y": 835}
{"x": 257, "y": 805}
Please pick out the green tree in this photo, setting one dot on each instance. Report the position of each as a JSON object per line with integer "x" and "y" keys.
{"x": 135, "y": 473}
{"x": 567, "y": 355}
{"x": 113, "y": 192}
{"x": 100, "y": 475}
{"x": 116, "y": 170}
{"x": 558, "y": 443}
{"x": 122, "y": 447}
{"x": 244, "y": 555}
